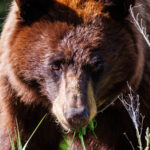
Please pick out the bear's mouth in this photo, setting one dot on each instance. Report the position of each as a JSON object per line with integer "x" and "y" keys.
{"x": 74, "y": 119}
{"x": 68, "y": 128}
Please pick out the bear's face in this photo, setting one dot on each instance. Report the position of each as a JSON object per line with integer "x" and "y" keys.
{"x": 78, "y": 68}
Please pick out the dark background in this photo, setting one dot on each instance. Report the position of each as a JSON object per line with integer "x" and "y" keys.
{"x": 4, "y": 8}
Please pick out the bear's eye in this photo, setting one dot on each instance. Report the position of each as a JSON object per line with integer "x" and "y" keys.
{"x": 97, "y": 63}
{"x": 56, "y": 66}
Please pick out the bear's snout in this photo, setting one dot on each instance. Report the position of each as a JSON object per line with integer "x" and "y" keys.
{"x": 77, "y": 117}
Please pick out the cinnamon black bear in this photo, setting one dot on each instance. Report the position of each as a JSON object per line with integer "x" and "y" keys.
{"x": 71, "y": 59}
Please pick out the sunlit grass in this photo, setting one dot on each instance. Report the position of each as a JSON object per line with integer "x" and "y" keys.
{"x": 82, "y": 132}
{"x": 18, "y": 138}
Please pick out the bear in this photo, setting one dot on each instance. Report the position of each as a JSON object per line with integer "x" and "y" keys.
{"x": 71, "y": 59}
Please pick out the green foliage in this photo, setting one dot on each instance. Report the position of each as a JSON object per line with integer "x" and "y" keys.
{"x": 82, "y": 132}
{"x": 12, "y": 142}
{"x": 64, "y": 144}
{"x": 19, "y": 144}
{"x": 92, "y": 126}
{"x": 74, "y": 135}
{"x": 34, "y": 132}
{"x": 18, "y": 139}
{"x": 4, "y": 6}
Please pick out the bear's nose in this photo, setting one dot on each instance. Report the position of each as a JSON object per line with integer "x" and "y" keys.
{"x": 77, "y": 117}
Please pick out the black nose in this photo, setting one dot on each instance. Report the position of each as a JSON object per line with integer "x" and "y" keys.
{"x": 77, "y": 117}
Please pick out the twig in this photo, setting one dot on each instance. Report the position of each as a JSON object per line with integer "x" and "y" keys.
{"x": 129, "y": 141}
{"x": 139, "y": 25}
{"x": 132, "y": 105}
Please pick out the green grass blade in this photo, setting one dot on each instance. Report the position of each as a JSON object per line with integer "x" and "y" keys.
{"x": 82, "y": 140}
{"x": 92, "y": 126}
{"x": 81, "y": 134}
{"x": 82, "y": 131}
{"x": 19, "y": 144}
{"x": 12, "y": 142}
{"x": 74, "y": 135}
{"x": 33, "y": 132}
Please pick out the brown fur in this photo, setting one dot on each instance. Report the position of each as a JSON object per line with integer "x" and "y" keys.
{"x": 37, "y": 35}
{"x": 84, "y": 9}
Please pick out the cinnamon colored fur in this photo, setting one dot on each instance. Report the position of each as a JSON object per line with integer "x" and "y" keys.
{"x": 60, "y": 56}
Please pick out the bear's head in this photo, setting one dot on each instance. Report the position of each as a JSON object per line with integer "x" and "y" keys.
{"x": 77, "y": 55}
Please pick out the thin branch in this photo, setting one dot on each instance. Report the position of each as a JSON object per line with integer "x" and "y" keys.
{"x": 132, "y": 105}
{"x": 139, "y": 25}
{"x": 129, "y": 141}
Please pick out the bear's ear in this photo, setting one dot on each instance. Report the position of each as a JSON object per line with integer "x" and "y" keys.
{"x": 30, "y": 10}
{"x": 118, "y": 9}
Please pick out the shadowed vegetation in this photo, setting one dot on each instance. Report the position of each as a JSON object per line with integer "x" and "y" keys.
{"x": 4, "y": 7}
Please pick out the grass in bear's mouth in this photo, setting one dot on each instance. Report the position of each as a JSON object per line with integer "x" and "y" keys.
{"x": 82, "y": 132}
{"x": 92, "y": 125}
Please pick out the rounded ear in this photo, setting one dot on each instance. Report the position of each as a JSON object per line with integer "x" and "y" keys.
{"x": 31, "y": 10}
{"x": 118, "y": 9}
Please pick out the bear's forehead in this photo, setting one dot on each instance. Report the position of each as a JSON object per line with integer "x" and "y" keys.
{"x": 81, "y": 42}
{"x": 75, "y": 43}
{"x": 82, "y": 39}
{"x": 83, "y": 36}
